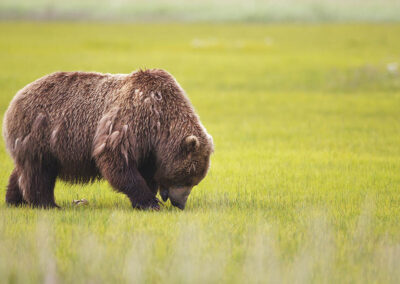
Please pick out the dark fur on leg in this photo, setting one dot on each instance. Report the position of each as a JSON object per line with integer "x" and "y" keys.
{"x": 147, "y": 171}
{"x": 14, "y": 194}
{"x": 36, "y": 166}
{"x": 128, "y": 180}
{"x": 38, "y": 181}
{"x": 152, "y": 184}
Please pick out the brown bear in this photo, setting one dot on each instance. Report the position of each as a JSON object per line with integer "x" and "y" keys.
{"x": 138, "y": 131}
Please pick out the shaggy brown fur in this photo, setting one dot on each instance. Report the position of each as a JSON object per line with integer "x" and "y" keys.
{"x": 138, "y": 131}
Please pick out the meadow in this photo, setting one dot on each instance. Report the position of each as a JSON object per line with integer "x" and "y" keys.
{"x": 304, "y": 184}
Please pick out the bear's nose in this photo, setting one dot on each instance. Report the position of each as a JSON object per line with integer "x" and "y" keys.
{"x": 179, "y": 205}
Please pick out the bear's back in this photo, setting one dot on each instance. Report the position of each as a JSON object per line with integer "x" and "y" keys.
{"x": 72, "y": 104}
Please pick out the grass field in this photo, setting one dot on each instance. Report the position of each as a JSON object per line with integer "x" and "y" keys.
{"x": 305, "y": 178}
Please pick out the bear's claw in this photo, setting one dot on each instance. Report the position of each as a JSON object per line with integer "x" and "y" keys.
{"x": 153, "y": 204}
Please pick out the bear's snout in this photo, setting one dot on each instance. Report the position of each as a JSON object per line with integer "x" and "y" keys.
{"x": 179, "y": 196}
{"x": 180, "y": 206}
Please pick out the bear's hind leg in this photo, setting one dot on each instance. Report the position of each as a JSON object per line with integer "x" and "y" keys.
{"x": 14, "y": 194}
{"x": 38, "y": 181}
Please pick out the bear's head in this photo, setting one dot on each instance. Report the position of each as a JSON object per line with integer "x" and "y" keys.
{"x": 180, "y": 171}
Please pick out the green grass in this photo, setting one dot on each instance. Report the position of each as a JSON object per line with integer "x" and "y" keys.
{"x": 305, "y": 178}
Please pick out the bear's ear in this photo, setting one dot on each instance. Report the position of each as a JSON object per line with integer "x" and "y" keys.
{"x": 191, "y": 143}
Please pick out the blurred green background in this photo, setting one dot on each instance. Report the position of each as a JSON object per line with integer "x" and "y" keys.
{"x": 204, "y": 10}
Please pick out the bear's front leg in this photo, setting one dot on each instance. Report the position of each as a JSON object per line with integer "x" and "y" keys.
{"x": 127, "y": 179}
